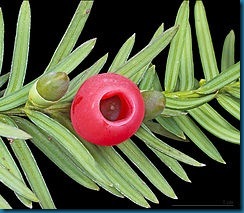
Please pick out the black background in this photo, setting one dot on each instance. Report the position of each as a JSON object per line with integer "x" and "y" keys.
{"x": 112, "y": 22}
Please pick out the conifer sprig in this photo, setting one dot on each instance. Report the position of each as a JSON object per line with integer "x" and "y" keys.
{"x": 188, "y": 106}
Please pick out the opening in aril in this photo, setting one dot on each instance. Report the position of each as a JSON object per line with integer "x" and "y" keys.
{"x": 114, "y": 108}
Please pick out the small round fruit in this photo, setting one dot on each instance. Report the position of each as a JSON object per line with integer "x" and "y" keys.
{"x": 107, "y": 109}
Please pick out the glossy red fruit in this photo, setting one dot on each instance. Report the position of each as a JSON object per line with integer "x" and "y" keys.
{"x": 107, "y": 109}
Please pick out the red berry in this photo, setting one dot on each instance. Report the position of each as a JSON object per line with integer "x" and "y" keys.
{"x": 107, "y": 109}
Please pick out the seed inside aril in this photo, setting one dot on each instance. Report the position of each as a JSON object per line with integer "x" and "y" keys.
{"x": 111, "y": 107}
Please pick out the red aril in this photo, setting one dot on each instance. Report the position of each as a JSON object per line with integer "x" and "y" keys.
{"x": 107, "y": 109}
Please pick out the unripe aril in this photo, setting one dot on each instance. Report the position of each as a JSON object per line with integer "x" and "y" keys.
{"x": 48, "y": 89}
{"x": 154, "y": 104}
